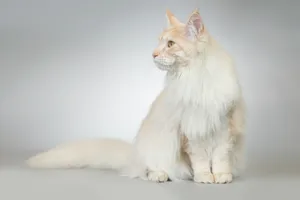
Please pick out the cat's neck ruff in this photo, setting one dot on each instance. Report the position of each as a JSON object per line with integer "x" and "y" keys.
{"x": 205, "y": 90}
{"x": 209, "y": 82}
{"x": 189, "y": 82}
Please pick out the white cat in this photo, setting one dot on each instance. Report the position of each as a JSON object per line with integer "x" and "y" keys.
{"x": 193, "y": 130}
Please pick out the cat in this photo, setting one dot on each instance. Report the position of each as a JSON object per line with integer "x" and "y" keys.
{"x": 194, "y": 129}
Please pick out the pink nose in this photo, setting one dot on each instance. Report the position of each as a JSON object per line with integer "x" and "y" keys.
{"x": 155, "y": 54}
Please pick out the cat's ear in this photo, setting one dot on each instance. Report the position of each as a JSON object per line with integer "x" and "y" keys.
{"x": 171, "y": 19}
{"x": 194, "y": 26}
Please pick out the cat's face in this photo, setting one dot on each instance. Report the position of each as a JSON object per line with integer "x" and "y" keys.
{"x": 178, "y": 43}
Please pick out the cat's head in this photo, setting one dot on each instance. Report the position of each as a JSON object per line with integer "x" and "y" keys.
{"x": 180, "y": 42}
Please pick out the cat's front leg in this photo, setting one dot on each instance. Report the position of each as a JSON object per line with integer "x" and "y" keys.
{"x": 221, "y": 165}
{"x": 200, "y": 161}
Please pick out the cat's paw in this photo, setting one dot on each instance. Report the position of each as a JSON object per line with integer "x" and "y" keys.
{"x": 204, "y": 178}
{"x": 223, "y": 178}
{"x": 158, "y": 176}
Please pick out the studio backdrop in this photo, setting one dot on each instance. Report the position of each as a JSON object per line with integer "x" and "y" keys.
{"x": 84, "y": 69}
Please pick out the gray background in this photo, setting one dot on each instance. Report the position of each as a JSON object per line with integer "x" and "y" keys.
{"x": 75, "y": 69}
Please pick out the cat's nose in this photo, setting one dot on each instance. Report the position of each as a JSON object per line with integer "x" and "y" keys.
{"x": 155, "y": 54}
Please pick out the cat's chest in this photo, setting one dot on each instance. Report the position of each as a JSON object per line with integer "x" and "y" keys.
{"x": 205, "y": 92}
{"x": 205, "y": 101}
{"x": 203, "y": 111}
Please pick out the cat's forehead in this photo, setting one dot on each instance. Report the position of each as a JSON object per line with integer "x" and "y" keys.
{"x": 170, "y": 33}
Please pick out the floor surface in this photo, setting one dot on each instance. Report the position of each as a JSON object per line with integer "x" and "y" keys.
{"x": 18, "y": 182}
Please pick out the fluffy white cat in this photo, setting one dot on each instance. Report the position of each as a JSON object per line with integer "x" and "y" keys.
{"x": 193, "y": 130}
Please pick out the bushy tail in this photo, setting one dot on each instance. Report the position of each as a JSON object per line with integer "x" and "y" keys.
{"x": 92, "y": 153}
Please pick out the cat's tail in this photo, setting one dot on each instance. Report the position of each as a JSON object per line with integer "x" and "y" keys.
{"x": 92, "y": 153}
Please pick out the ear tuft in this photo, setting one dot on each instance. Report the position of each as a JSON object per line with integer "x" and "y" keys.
{"x": 195, "y": 25}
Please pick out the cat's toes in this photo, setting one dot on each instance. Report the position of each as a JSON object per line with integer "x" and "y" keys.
{"x": 223, "y": 178}
{"x": 158, "y": 176}
{"x": 204, "y": 178}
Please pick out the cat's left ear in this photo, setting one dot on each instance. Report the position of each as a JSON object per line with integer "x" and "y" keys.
{"x": 194, "y": 26}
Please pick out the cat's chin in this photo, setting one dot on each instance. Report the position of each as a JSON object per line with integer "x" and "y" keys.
{"x": 165, "y": 67}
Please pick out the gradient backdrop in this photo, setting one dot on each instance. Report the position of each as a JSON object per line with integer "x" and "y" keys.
{"x": 78, "y": 69}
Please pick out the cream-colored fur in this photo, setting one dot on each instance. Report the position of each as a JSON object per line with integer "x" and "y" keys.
{"x": 193, "y": 130}
{"x": 92, "y": 153}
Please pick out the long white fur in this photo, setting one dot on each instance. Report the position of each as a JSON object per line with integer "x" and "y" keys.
{"x": 93, "y": 153}
{"x": 193, "y": 103}
{"x": 157, "y": 146}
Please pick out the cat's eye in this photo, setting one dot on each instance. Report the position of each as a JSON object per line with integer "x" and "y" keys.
{"x": 170, "y": 43}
